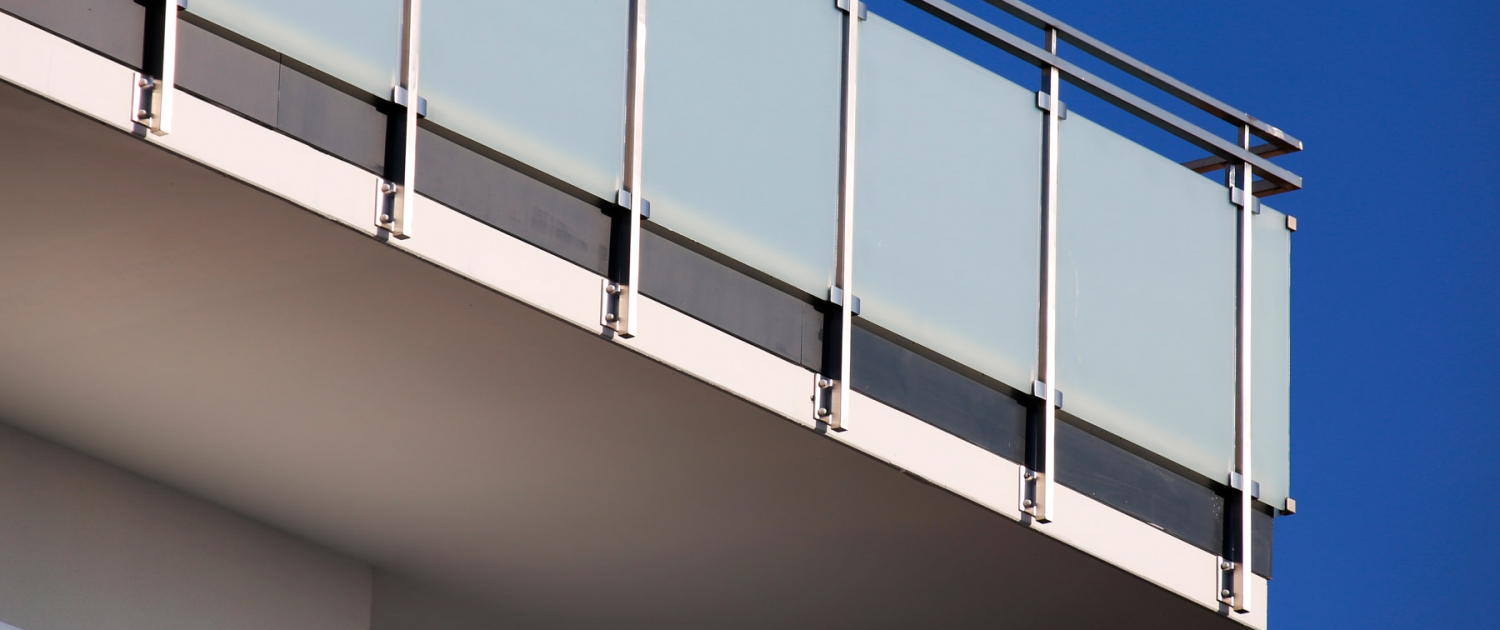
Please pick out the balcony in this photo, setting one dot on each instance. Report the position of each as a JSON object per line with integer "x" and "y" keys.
{"x": 657, "y": 314}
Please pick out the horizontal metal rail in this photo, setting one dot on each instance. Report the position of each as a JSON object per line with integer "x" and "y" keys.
{"x": 1105, "y": 52}
{"x": 1282, "y": 179}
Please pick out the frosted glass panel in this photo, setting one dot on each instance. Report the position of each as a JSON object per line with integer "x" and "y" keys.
{"x": 543, "y": 82}
{"x": 358, "y": 41}
{"x": 742, "y": 130}
{"x": 1271, "y": 356}
{"x": 948, "y": 190}
{"x": 1146, "y": 298}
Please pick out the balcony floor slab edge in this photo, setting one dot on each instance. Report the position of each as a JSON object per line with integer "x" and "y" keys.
{"x": 97, "y": 87}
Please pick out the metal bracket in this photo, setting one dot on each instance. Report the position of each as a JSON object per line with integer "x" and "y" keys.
{"x": 1044, "y": 103}
{"x": 385, "y": 203}
{"x": 612, "y": 309}
{"x": 822, "y": 399}
{"x": 1290, "y": 507}
{"x": 1291, "y": 223}
{"x": 398, "y": 95}
{"x": 155, "y": 87}
{"x": 1036, "y": 486}
{"x": 836, "y": 296}
{"x": 1224, "y": 569}
{"x": 843, "y": 5}
{"x": 1039, "y": 389}
{"x": 1238, "y": 483}
{"x": 625, "y": 200}
{"x": 1237, "y": 197}
{"x": 617, "y": 304}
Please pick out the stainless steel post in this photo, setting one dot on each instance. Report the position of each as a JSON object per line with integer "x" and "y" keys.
{"x": 1240, "y": 594}
{"x": 1039, "y": 476}
{"x": 394, "y": 212}
{"x": 622, "y": 292}
{"x": 836, "y": 411}
{"x": 156, "y": 85}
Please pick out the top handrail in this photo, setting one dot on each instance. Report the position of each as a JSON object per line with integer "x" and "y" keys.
{"x": 1157, "y": 78}
{"x": 1280, "y": 142}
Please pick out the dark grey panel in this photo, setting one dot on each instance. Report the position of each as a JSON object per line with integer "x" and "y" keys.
{"x": 1138, "y": 487}
{"x": 508, "y": 200}
{"x": 114, "y": 28}
{"x": 940, "y": 396}
{"x": 228, "y": 74}
{"x": 1181, "y": 506}
{"x": 332, "y": 120}
{"x": 1262, "y": 543}
{"x": 728, "y": 299}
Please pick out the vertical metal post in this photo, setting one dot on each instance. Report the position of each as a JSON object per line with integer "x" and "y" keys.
{"x": 832, "y": 391}
{"x": 398, "y": 195}
{"x": 1038, "y": 478}
{"x": 156, "y": 85}
{"x": 622, "y": 288}
{"x": 1238, "y": 593}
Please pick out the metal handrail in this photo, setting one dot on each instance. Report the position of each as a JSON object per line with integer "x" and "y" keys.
{"x": 1280, "y": 142}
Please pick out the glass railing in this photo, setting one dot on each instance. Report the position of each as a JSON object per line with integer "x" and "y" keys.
{"x": 358, "y": 41}
{"x": 743, "y": 127}
{"x": 742, "y": 130}
{"x": 542, "y": 81}
{"x": 1146, "y": 298}
{"x": 946, "y": 247}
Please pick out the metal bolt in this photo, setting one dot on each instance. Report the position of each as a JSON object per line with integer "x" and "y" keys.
{"x": 824, "y": 383}
{"x": 1226, "y": 565}
{"x": 610, "y": 317}
{"x": 612, "y": 288}
{"x": 145, "y": 113}
{"x": 822, "y": 412}
{"x": 145, "y": 82}
{"x": 1028, "y": 503}
{"x": 387, "y": 187}
{"x": 385, "y": 218}
{"x": 1226, "y": 593}
{"x": 1029, "y": 475}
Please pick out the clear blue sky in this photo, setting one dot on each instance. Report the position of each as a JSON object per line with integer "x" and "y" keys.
{"x": 1396, "y": 278}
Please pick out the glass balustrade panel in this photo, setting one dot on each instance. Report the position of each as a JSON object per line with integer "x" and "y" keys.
{"x": 542, "y": 82}
{"x": 358, "y": 41}
{"x": 1146, "y": 298}
{"x": 948, "y": 198}
{"x": 1271, "y": 356}
{"x": 742, "y": 131}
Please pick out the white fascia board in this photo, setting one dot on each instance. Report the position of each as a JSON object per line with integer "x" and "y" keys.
{"x": 101, "y": 88}
{"x": 66, "y": 73}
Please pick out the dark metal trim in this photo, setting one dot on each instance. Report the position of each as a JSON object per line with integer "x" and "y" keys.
{"x": 1109, "y": 92}
{"x": 984, "y": 412}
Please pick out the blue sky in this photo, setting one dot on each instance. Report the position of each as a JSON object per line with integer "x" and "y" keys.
{"x": 1396, "y": 277}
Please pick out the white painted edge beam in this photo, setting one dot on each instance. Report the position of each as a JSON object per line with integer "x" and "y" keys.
{"x": 102, "y": 89}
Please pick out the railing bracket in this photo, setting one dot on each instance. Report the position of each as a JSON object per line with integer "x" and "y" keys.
{"x": 156, "y": 84}
{"x": 1044, "y": 103}
{"x": 822, "y": 399}
{"x": 1238, "y": 483}
{"x": 836, "y": 297}
{"x": 398, "y": 95}
{"x": 843, "y": 5}
{"x": 627, "y": 201}
{"x": 1237, "y": 197}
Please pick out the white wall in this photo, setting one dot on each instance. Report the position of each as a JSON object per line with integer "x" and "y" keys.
{"x": 85, "y": 545}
